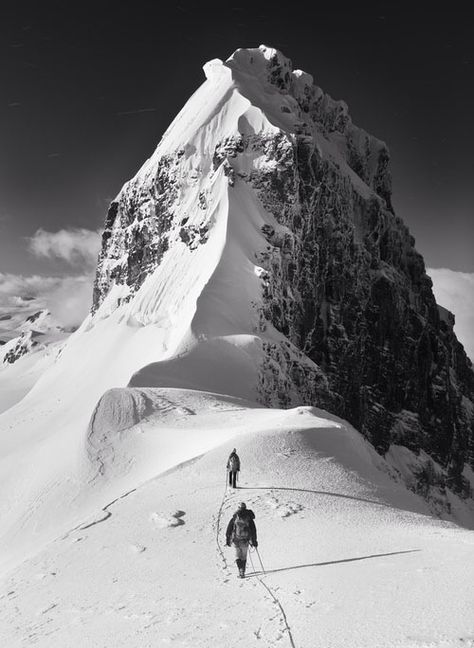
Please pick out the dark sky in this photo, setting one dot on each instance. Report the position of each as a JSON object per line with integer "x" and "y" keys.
{"x": 87, "y": 89}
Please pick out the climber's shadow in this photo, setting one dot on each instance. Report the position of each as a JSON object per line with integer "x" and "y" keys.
{"x": 306, "y": 490}
{"x": 330, "y": 562}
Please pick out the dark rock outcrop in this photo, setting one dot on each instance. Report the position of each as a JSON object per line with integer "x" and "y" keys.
{"x": 24, "y": 344}
{"x": 346, "y": 285}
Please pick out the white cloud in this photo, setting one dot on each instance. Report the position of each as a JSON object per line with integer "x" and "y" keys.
{"x": 78, "y": 247}
{"x": 68, "y": 298}
{"x": 455, "y": 291}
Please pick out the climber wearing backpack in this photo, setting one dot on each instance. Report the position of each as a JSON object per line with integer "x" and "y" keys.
{"x": 233, "y": 467}
{"x": 241, "y": 532}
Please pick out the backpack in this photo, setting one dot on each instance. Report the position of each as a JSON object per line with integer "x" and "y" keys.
{"x": 233, "y": 463}
{"x": 241, "y": 528}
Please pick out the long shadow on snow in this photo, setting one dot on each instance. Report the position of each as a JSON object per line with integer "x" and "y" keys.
{"x": 306, "y": 490}
{"x": 330, "y": 562}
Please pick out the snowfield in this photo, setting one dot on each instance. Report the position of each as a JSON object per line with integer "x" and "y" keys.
{"x": 351, "y": 557}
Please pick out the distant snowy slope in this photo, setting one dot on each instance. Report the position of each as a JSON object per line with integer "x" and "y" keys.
{"x": 32, "y": 340}
{"x": 27, "y": 329}
{"x": 17, "y": 379}
{"x": 351, "y": 557}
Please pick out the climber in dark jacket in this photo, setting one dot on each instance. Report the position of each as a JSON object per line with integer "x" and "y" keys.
{"x": 233, "y": 467}
{"x": 241, "y": 532}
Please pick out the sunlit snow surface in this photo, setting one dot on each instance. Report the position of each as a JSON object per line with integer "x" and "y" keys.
{"x": 350, "y": 557}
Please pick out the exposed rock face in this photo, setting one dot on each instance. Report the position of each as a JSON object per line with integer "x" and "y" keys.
{"x": 19, "y": 347}
{"x": 346, "y": 285}
{"x": 137, "y": 226}
{"x": 340, "y": 277}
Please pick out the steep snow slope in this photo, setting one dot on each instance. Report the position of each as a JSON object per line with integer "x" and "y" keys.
{"x": 351, "y": 557}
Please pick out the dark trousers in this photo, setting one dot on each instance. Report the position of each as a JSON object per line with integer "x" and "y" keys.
{"x": 232, "y": 478}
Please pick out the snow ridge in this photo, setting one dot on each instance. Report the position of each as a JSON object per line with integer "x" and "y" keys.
{"x": 138, "y": 582}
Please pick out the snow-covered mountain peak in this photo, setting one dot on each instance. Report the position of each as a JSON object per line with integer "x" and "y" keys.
{"x": 256, "y": 254}
{"x": 270, "y": 67}
{"x": 39, "y": 321}
{"x": 263, "y": 225}
{"x": 266, "y": 64}
{"x": 265, "y": 71}
{"x": 257, "y": 89}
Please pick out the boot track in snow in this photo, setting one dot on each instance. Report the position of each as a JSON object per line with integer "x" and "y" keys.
{"x": 268, "y": 589}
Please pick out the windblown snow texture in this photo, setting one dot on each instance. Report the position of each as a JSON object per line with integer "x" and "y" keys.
{"x": 264, "y": 212}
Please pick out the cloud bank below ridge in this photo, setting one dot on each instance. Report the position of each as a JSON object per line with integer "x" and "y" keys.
{"x": 455, "y": 291}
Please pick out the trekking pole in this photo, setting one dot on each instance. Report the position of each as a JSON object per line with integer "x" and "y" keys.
{"x": 251, "y": 561}
{"x": 261, "y": 563}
